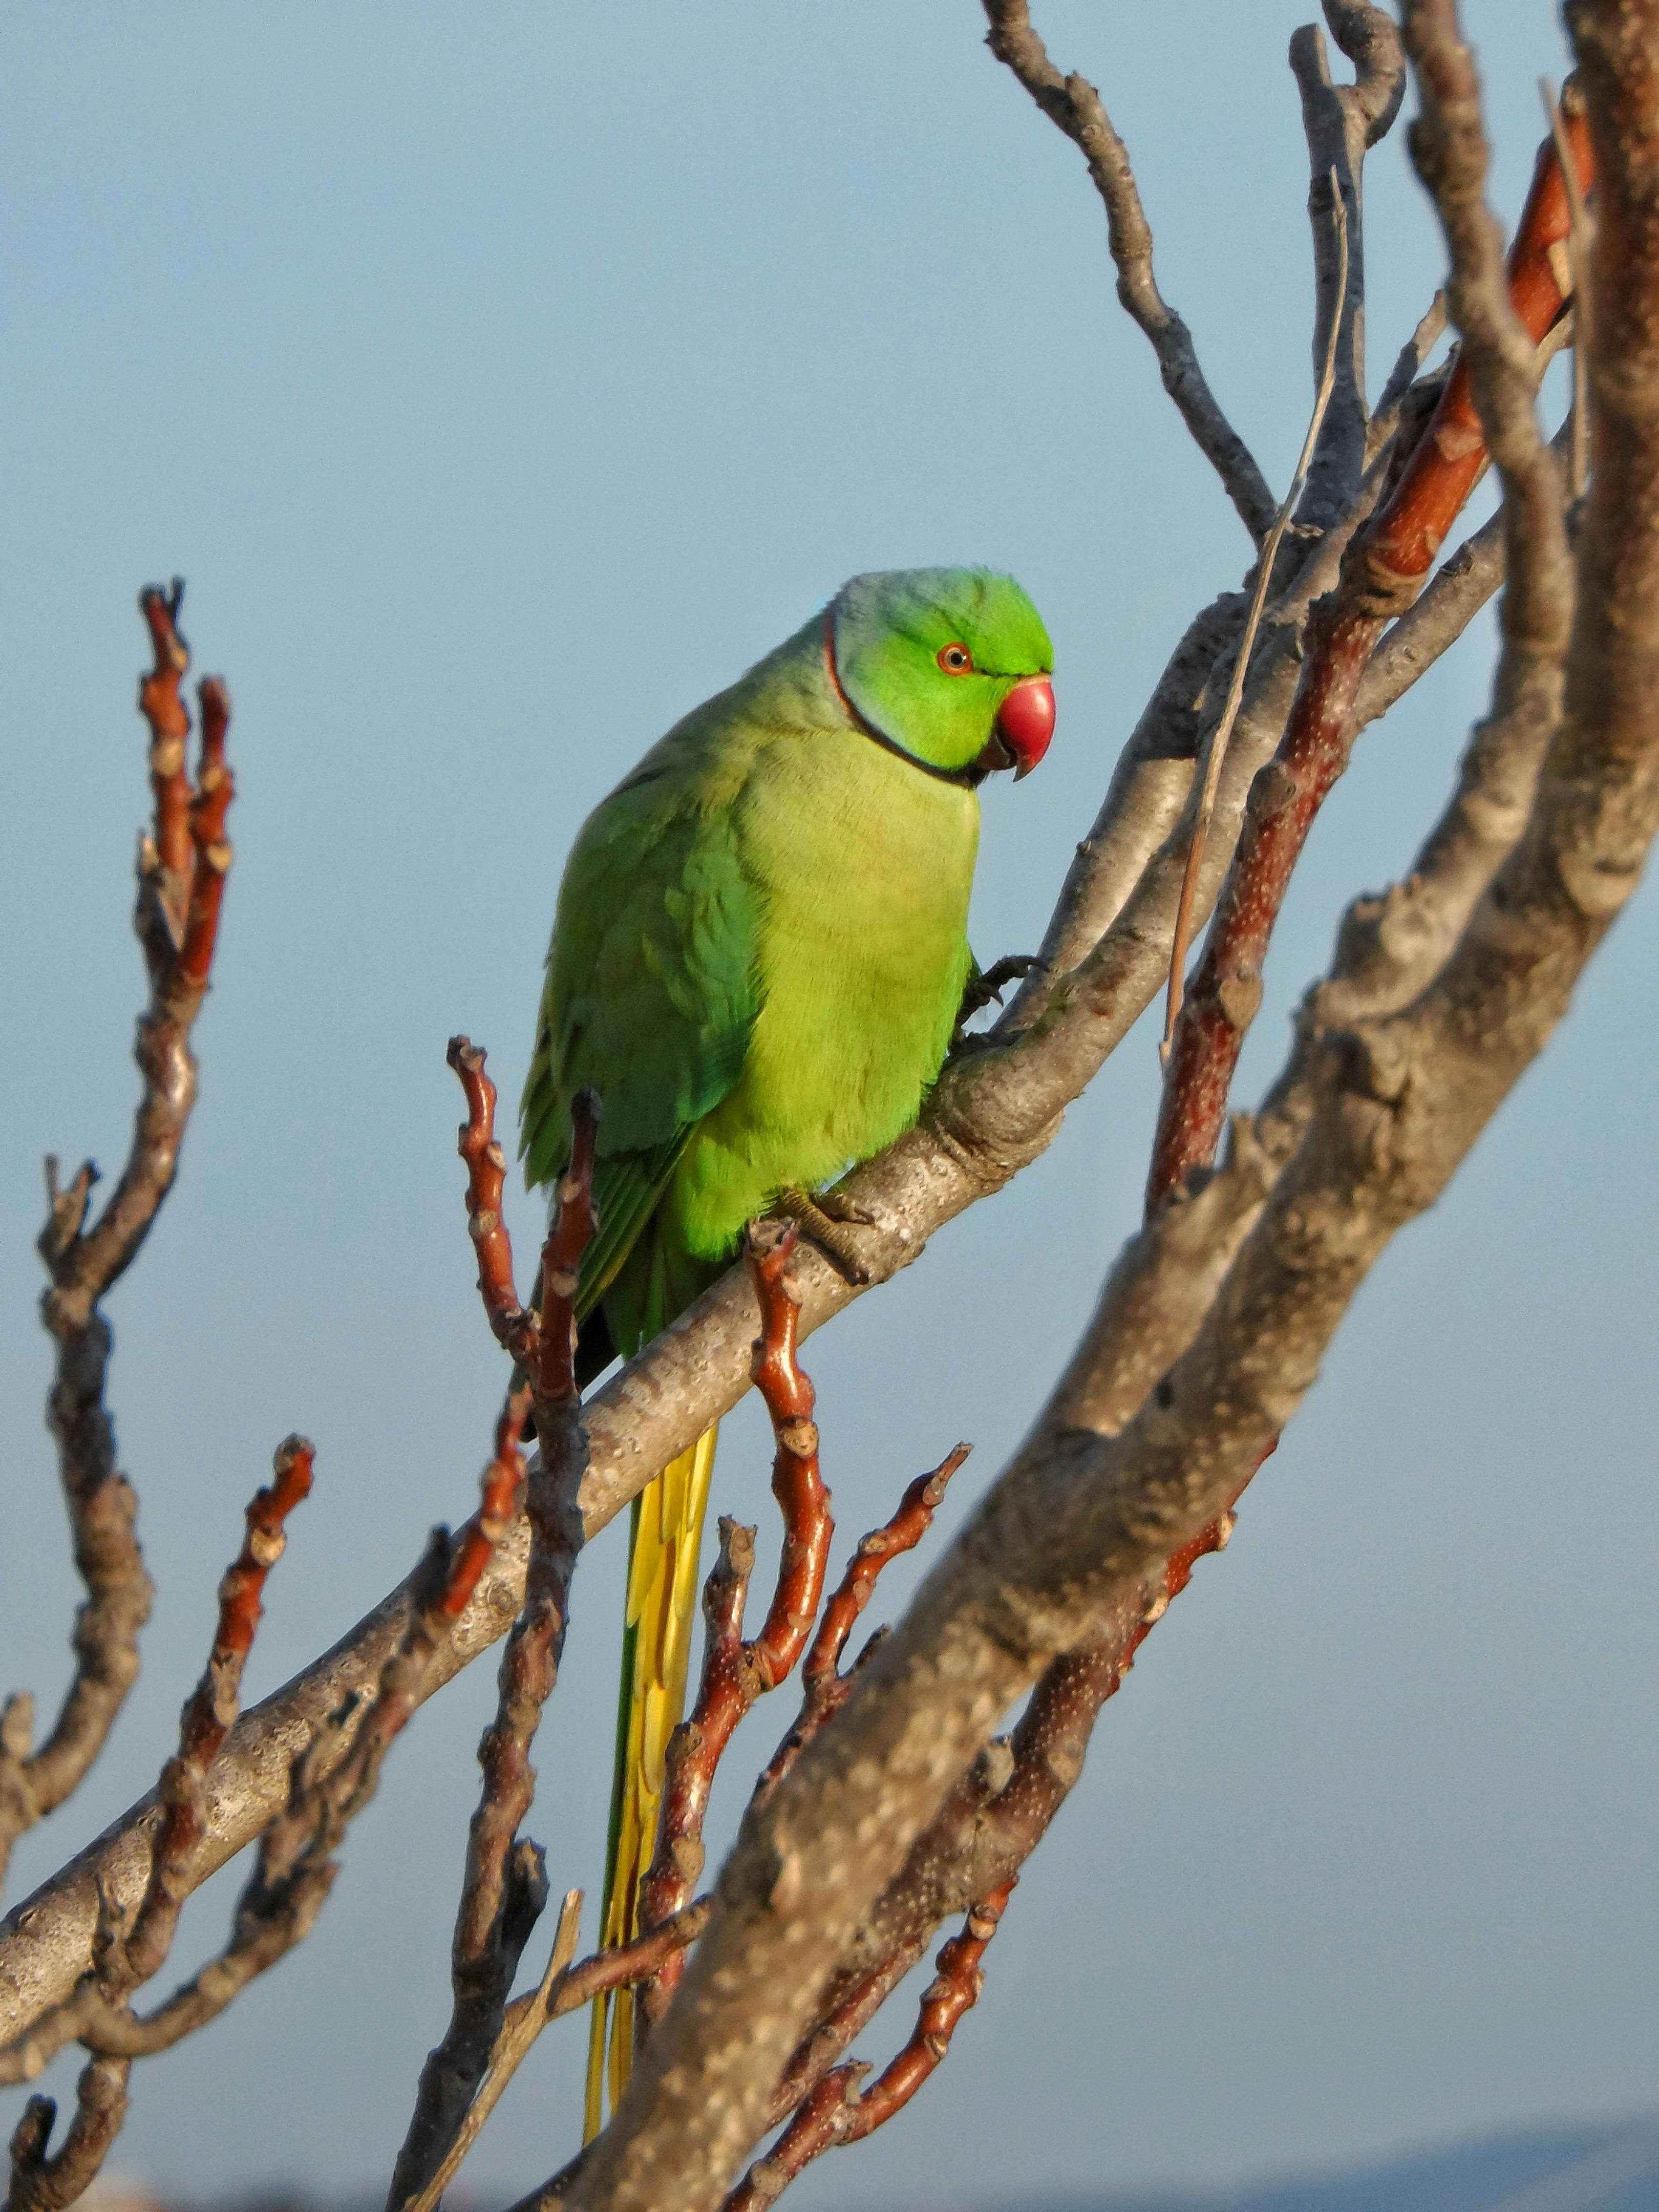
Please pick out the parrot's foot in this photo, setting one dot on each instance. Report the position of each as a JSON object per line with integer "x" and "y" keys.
{"x": 986, "y": 988}
{"x": 826, "y": 1217}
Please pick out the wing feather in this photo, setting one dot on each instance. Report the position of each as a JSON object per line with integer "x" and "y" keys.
{"x": 650, "y": 997}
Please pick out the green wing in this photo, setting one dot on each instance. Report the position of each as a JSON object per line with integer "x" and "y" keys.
{"x": 650, "y": 996}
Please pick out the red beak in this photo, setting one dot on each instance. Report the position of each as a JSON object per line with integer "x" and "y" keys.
{"x": 1025, "y": 722}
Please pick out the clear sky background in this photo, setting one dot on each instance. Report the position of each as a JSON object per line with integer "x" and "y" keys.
{"x": 504, "y": 381}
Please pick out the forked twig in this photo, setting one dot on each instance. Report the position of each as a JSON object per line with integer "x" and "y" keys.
{"x": 835, "y": 2111}
{"x": 824, "y": 1688}
{"x": 988, "y": 1826}
{"x": 729, "y": 1675}
{"x": 183, "y": 862}
{"x": 563, "y": 1988}
{"x": 126, "y": 1957}
{"x": 1073, "y": 106}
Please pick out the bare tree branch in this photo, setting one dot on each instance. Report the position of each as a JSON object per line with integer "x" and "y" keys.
{"x": 182, "y": 867}
{"x": 43, "y": 2183}
{"x": 1073, "y": 104}
{"x": 563, "y": 1988}
{"x": 1390, "y": 949}
{"x": 836, "y": 2111}
{"x": 1341, "y": 122}
{"x": 824, "y": 1688}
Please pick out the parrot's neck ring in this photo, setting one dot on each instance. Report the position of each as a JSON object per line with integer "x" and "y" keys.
{"x": 966, "y": 779}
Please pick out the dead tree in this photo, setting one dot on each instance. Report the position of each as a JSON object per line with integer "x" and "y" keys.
{"x": 891, "y": 1807}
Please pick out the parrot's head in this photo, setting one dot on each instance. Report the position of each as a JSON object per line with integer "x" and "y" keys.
{"x": 948, "y": 666}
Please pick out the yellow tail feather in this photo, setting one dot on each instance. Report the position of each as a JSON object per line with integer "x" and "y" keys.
{"x": 664, "y": 1545}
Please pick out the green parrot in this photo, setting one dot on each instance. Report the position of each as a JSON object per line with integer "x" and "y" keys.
{"x": 759, "y": 956}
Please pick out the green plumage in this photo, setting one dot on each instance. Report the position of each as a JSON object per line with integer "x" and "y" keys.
{"x": 760, "y": 941}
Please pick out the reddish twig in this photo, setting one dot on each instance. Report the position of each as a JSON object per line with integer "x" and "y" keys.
{"x": 730, "y": 1683}
{"x": 129, "y": 1958}
{"x": 486, "y": 1175}
{"x": 835, "y": 2111}
{"x": 161, "y": 707}
{"x": 209, "y": 1712}
{"x": 989, "y": 1825}
{"x": 182, "y": 865}
{"x": 568, "y": 1235}
{"x": 824, "y": 1688}
{"x": 505, "y": 1886}
{"x": 544, "y": 1341}
{"x": 605, "y": 1970}
{"x": 84, "y": 1268}
{"x": 209, "y": 804}
{"x": 734, "y": 1671}
{"x": 43, "y": 2183}
{"x": 499, "y": 1486}
{"x": 796, "y": 1482}
{"x": 1382, "y": 574}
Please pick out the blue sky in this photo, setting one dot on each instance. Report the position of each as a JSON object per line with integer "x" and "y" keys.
{"x": 503, "y": 382}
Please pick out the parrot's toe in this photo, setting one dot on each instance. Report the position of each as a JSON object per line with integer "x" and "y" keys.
{"x": 986, "y": 988}
{"x": 827, "y": 1217}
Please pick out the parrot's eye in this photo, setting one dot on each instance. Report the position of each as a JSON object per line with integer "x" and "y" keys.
{"x": 956, "y": 659}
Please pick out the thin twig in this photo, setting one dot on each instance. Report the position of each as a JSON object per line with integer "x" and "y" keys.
{"x": 505, "y": 1885}
{"x": 1216, "y": 751}
{"x": 835, "y": 2111}
{"x": 182, "y": 865}
{"x": 211, "y": 1710}
{"x": 735, "y": 1673}
{"x": 1578, "y": 262}
{"x": 130, "y": 1956}
{"x": 1072, "y": 104}
{"x": 563, "y": 1988}
{"x": 824, "y": 1688}
{"x": 43, "y": 2183}
{"x": 522, "y": 2023}
{"x": 486, "y": 1176}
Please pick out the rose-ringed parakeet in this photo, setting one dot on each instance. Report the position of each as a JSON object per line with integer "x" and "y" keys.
{"x": 758, "y": 958}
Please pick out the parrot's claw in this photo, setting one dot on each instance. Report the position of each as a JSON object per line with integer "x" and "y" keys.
{"x": 825, "y": 1216}
{"x": 986, "y": 989}
{"x": 836, "y": 1205}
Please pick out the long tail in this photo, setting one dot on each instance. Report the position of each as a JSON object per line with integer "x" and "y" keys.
{"x": 664, "y": 1543}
